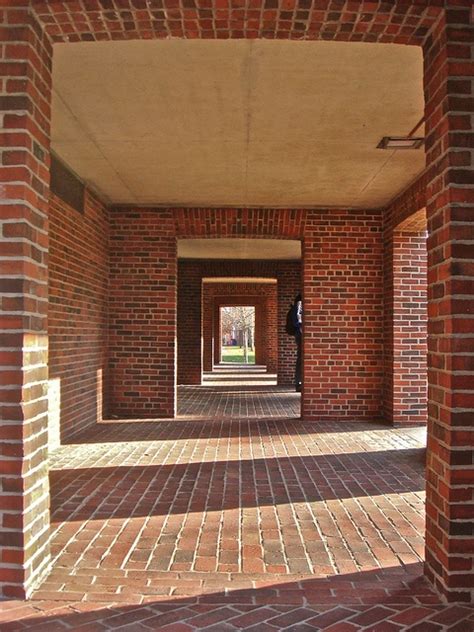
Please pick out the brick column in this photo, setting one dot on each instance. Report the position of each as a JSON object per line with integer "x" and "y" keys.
{"x": 207, "y": 329}
{"x": 343, "y": 315}
{"x": 261, "y": 325}
{"x": 216, "y": 328}
{"x": 449, "y": 74}
{"x": 25, "y": 112}
{"x": 142, "y": 316}
{"x": 271, "y": 331}
{"x": 189, "y": 323}
{"x": 409, "y": 328}
{"x": 289, "y": 284}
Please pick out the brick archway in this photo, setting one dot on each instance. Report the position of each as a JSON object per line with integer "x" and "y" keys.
{"x": 444, "y": 31}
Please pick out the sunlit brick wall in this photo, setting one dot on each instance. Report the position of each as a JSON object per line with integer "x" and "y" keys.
{"x": 78, "y": 313}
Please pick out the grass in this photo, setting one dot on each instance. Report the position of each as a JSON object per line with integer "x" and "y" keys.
{"x": 236, "y": 354}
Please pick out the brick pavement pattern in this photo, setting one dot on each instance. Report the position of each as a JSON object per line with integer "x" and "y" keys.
{"x": 221, "y": 395}
{"x": 238, "y": 524}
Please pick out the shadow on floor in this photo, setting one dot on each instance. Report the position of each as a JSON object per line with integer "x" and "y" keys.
{"x": 143, "y": 490}
{"x": 384, "y": 599}
{"x": 129, "y": 430}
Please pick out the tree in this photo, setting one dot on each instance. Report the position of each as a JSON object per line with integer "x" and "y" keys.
{"x": 241, "y": 319}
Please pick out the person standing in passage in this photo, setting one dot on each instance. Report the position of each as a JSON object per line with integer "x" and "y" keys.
{"x": 298, "y": 324}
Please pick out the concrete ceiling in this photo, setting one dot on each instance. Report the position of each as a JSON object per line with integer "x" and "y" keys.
{"x": 239, "y": 249}
{"x": 237, "y": 122}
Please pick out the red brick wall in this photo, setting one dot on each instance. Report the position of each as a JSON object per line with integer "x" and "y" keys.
{"x": 410, "y": 374}
{"x": 189, "y": 340}
{"x": 449, "y": 96}
{"x": 343, "y": 315}
{"x": 142, "y": 322}
{"x": 190, "y": 273}
{"x": 25, "y": 91}
{"x": 263, "y": 296}
{"x": 405, "y": 306}
{"x": 77, "y": 316}
{"x": 448, "y": 89}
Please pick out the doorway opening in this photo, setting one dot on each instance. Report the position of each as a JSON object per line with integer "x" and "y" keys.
{"x": 237, "y": 335}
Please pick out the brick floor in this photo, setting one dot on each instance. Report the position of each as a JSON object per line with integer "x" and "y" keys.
{"x": 222, "y": 396}
{"x": 238, "y": 524}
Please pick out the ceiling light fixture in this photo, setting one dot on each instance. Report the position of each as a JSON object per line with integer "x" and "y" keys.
{"x": 401, "y": 142}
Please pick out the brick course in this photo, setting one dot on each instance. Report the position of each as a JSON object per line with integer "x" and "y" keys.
{"x": 78, "y": 312}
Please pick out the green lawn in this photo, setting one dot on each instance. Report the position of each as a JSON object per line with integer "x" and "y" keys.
{"x": 236, "y": 354}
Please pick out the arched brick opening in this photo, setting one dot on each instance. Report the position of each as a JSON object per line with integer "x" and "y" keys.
{"x": 445, "y": 32}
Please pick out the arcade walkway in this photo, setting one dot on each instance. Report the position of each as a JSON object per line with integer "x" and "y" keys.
{"x": 238, "y": 524}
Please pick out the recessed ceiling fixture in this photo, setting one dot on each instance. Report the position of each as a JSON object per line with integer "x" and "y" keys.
{"x": 401, "y": 142}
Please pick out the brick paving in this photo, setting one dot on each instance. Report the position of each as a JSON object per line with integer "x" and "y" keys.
{"x": 222, "y": 396}
{"x": 238, "y": 524}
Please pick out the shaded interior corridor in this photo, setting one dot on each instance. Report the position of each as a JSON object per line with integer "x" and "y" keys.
{"x": 231, "y": 391}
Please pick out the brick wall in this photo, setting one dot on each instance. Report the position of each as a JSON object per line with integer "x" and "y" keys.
{"x": 25, "y": 92}
{"x": 290, "y": 282}
{"x": 343, "y": 315}
{"x": 399, "y": 21}
{"x": 189, "y": 340}
{"x": 405, "y": 306}
{"x": 449, "y": 96}
{"x": 409, "y": 374}
{"x": 77, "y": 315}
{"x": 263, "y": 296}
{"x": 142, "y": 322}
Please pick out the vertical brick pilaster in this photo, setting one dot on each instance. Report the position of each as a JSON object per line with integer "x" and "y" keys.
{"x": 25, "y": 86}
{"x": 216, "y": 328}
{"x": 449, "y": 94}
{"x": 404, "y": 218}
{"x": 189, "y": 332}
{"x": 343, "y": 319}
{"x": 208, "y": 339}
{"x": 409, "y": 372}
{"x": 290, "y": 282}
{"x": 260, "y": 334}
{"x": 142, "y": 313}
{"x": 270, "y": 338}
